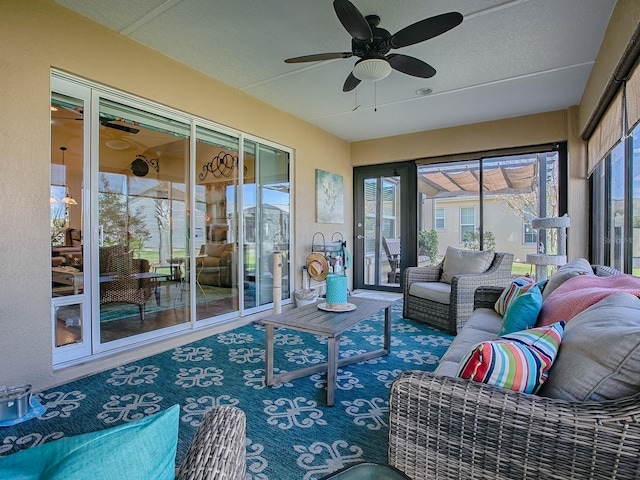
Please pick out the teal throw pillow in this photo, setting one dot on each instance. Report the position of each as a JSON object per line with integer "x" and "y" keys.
{"x": 522, "y": 312}
{"x": 139, "y": 450}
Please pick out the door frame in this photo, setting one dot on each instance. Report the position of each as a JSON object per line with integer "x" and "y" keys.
{"x": 407, "y": 171}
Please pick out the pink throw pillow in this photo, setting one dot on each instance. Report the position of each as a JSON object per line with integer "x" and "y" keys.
{"x": 580, "y": 292}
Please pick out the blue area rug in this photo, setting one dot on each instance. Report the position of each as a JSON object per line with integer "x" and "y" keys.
{"x": 291, "y": 433}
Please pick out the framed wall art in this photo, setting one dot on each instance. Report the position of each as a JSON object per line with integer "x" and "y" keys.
{"x": 329, "y": 197}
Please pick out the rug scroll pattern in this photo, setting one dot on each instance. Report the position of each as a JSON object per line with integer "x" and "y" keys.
{"x": 291, "y": 433}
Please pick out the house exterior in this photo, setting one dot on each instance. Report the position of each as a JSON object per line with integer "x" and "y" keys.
{"x": 39, "y": 35}
{"x": 508, "y": 227}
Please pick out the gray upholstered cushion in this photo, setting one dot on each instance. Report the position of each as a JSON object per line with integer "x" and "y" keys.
{"x": 579, "y": 266}
{"x": 435, "y": 291}
{"x": 447, "y": 368}
{"x": 461, "y": 262}
{"x": 599, "y": 357}
{"x": 482, "y": 326}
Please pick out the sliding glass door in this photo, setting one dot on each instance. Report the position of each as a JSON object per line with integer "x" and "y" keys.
{"x": 488, "y": 204}
{"x": 160, "y": 222}
{"x": 266, "y": 197}
{"x": 215, "y": 236}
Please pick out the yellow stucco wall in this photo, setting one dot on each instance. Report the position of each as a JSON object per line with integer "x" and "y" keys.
{"x": 520, "y": 131}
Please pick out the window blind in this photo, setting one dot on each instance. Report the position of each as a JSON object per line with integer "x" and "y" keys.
{"x": 607, "y": 133}
{"x": 633, "y": 98}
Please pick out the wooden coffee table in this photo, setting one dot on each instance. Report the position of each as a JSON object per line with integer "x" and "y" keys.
{"x": 330, "y": 324}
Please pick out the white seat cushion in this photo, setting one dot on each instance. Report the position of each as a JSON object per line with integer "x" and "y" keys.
{"x": 435, "y": 291}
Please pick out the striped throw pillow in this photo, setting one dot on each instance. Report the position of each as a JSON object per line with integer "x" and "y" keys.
{"x": 516, "y": 288}
{"x": 518, "y": 361}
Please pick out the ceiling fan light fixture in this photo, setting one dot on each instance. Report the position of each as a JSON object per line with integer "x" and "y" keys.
{"x": 117, "y": 144}
{"x": 372, "y": 69}
{"x": 68, "y": 199}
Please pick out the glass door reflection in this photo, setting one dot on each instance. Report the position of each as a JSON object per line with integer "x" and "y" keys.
{"x": 69, "y": 277}
{"x": 382, "y": 252}
{"x": 266, "y": 221}
{"x": 215, "y": 235}
{"x": 142, "y": 198}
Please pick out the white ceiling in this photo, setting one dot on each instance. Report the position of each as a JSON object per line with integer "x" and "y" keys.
{"x": 507, "y": 58}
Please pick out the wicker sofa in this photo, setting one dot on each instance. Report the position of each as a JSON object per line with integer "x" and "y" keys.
{"x": 442, "y": 426}
{"x": 217, "y": 452}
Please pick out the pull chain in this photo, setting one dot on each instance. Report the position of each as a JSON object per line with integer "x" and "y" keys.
{"x": 375, "y": 96}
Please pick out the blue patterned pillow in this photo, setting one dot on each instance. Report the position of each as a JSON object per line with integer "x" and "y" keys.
{"x": 138, "y": 450}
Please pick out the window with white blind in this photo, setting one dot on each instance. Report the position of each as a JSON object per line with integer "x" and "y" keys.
{"x": 467, "y": 223}
{"x": 439, "y": 219}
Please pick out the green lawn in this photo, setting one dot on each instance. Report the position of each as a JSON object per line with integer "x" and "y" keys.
{"x": 522, "y": 269}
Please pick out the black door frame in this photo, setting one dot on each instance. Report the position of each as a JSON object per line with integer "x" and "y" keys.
{"x": 407, "y": 171}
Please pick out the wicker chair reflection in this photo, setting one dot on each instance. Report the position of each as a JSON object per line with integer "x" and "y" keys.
{"x": 119, "y": 283}
{"x": 392, "y": 249}
{"x": 456, "y": 303}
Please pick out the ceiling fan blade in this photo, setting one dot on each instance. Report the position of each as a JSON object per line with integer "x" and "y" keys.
{"x": 353, "y": 21}
{"x": 350, "y": 83}
{"x": 411, "y": 65}
{"x": 318, "y": 57}
{"x": 425, "y": 29}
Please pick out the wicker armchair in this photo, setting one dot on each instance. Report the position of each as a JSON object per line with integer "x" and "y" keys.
{"x": 452, "y": 316}
{"x": 442, "y": 427}
{"x": 218, "y": 449}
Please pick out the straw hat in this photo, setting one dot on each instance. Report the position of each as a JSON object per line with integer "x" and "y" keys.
{"x": 317, "y": 267}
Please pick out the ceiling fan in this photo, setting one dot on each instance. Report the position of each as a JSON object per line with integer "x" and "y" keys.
{"x": 372, "y": 44}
